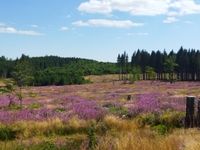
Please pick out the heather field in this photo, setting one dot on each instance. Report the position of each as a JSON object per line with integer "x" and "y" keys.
{"x": 99, "y": 75}
{"x": 106, "y": 115}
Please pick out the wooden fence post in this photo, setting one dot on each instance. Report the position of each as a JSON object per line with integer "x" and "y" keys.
{"x": 190, "y": 108}
{"x": 198, "y": 114}
{"x": 129, "y": 97}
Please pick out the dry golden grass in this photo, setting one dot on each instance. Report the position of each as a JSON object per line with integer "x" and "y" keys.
{"x": 118, "y": 124}
{"x": 28, "y": 129}
{"x": 191, "y": 138}
{"x": 102, "y": 78}
{"x": 127, "y": 135}
{"x": 122, "y": 134}
{"x": 146, "y": 139}
{"x": 140, "y": 140}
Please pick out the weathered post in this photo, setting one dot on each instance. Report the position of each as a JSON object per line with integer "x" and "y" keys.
{"x": 198, "y": 114}
{"x": 190, "y": 105}
{"x": 129, "y": 97}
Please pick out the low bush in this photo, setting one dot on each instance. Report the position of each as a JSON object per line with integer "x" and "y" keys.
{"x": 7, "y": 133}
{"x": 34, "y": 106}
{"x": 33, "y": 95}
{"x": 151, "y": 119}
{"x": 91, "y": 133}
{"x": 119, "y": 111}
{"x": 14, "y": 107}
{"x": 60, "y": 109}
{"x": 161, "y": 129}
{"x": 173, "y": 119}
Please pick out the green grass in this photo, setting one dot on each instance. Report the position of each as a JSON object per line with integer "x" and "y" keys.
{"x": 7, "y": 133}
{"x": 34, "y": 106}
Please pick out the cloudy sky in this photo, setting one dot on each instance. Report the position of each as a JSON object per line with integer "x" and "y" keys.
{"x": 96, "y": 29}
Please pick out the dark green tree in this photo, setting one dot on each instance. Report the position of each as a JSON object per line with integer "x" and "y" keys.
{"x": 135, "y": 74}
{"x": 170, "y": 65}
{"x": 150, "y": 72}
{"x": 22, "y": 76}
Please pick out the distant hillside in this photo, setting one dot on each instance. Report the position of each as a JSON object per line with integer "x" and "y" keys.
{"x": 50, "y": 70}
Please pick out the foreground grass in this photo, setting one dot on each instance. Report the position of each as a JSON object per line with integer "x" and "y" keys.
{"x": 111, "y": 133}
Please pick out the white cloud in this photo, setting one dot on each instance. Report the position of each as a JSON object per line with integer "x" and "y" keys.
{"x": 186, "y": 7}
{"x": 96, "y": 6}
{"x": 64, "y": 28}
{"x": 142, "y": 7}
{"x": 11, "y": 30}
{"x": 170, "y": 20}
{"x": 107, "y": 23}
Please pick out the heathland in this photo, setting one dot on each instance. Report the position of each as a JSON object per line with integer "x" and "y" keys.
{"x": 99, "y": 116}
{"x": 54, "y": 103}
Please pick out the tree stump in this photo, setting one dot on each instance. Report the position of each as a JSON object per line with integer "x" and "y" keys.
{"x": 198, "y": 114}
{"x": 129, "y": 97}
{"x": 190, "y": 108}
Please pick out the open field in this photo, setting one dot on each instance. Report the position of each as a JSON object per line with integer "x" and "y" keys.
{"x": 102, "y": 78}
{"x": 100, "y": 116}
{"x": 100, "y": 75}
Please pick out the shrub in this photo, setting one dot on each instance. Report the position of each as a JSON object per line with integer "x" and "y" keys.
{"x": 33, "y": 95}
{"x": 101, "y": 128}
{"x": 172, "y": 119}
{"x": 15, "y": 107}
{"x": 7, "y": 133}
{"x": 161, "y": 129}
{"x": 119, "y": 111}
{"x": 34, "y": 106}
{"x": 151, "y": 119}
{"x": 91, "y": 137}
{"x": 60, "y": 109}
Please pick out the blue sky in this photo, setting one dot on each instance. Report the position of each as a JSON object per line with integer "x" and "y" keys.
{"x": 96, "y": 29}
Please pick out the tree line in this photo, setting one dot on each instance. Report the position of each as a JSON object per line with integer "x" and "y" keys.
{"x": 52, "y": 70}
{"x": 183, "y": 65}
